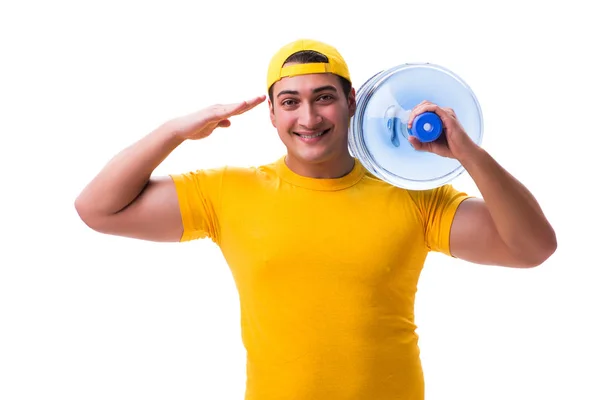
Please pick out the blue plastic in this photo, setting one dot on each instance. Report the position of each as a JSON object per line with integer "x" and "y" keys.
{"x": 379, "y": 129}
{"x": 426, "y": 127}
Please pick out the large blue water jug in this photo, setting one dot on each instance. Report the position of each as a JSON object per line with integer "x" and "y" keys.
{"x": 379, "y": 133}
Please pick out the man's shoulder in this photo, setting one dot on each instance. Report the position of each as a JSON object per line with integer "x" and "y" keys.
{"x": 235, "y": 173}
{"x": 436, "y": 194}
{"x": 250, "y": 169}
{"x": 230, "y": 172}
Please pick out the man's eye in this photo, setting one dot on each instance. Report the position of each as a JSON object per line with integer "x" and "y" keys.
{"x": 288, "y": 102}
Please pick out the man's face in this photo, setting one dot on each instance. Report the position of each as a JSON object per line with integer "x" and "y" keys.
{"x": 311, "y": 115}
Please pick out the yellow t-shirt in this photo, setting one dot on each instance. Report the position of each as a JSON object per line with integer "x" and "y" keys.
{"x": 327, "y": 272}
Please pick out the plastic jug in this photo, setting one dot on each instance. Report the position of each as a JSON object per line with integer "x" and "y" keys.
{"x": 379, "y": 133}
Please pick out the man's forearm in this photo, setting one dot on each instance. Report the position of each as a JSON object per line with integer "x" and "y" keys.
{"x": 125, "y": 175}
{"x": 517, "y": 215}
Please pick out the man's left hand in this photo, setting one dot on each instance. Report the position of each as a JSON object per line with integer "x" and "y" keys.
{"x": 454, "y": 141}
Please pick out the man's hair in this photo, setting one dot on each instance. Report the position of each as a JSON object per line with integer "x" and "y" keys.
{"x": 308, "y": 57}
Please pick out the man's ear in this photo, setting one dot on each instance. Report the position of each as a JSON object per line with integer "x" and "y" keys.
{"x": 352, "y": 102}
{"x": 272, "y": 114}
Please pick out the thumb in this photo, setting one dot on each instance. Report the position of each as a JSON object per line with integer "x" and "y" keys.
{"x": 416, "y": 143}
{"x": 224, "y": 123}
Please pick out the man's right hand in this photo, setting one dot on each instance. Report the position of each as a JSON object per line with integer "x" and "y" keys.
{"x": 124, "y": 200}
{"x": 201, "y": 124}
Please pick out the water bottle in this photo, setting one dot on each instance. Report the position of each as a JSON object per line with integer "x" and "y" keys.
{"x": 379, "y": 131}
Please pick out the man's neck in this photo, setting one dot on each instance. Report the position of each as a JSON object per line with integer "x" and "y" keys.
{"x": 330, "y": 169}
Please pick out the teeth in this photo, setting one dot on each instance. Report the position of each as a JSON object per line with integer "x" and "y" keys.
{"x": 311, "y": 136}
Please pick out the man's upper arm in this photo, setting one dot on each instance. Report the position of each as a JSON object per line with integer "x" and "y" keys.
{"x": 474, "y": 238}
{"x": 170, "y": 209}
{"x": 154, "y": 215}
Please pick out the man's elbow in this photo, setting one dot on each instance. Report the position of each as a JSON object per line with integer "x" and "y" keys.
{"x": 86, "y": 215}
{"x": 545, "y": 248}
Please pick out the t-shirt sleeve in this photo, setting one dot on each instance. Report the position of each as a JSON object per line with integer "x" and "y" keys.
{"x": 437, "y": 208}
{"x": 199, "y": 194}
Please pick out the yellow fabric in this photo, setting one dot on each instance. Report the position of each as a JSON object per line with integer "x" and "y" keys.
{"x": 337, "y": 65}
{"x": 327, "y": 272}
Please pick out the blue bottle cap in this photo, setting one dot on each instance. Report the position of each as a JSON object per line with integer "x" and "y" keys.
{"x": 427, "y": 127}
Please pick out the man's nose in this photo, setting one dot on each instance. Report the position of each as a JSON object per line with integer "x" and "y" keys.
{"x": 309, "y": 117}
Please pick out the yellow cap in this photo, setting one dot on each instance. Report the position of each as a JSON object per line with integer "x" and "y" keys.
{"x": 336, "y": 64}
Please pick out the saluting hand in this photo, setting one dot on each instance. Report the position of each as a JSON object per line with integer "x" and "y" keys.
{"x": 201, "y": 124}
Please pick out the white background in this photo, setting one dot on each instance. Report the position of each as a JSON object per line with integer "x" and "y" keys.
{"x": 86, "y": 316}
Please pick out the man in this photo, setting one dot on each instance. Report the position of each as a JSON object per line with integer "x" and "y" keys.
{"x": 325, "y": 256}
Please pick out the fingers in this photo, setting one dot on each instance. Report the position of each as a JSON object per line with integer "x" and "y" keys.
{"x": 450, "y": 112}
{"x": 420, "y": 146}
{"x": 416, "y": 144}
{"x": 228, "y": 110}
{"x": 252, "y": 103}
{"x": 440, "y": 148}
{"x": 427, "y": 106}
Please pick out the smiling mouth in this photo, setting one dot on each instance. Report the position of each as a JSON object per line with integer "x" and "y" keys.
{"x": 316, "y": 135}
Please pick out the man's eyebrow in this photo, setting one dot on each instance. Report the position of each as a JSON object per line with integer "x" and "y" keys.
{"x": 316, "y": 90}
{"x": 323, "y": 88}
{"x": 292, "y": 92}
